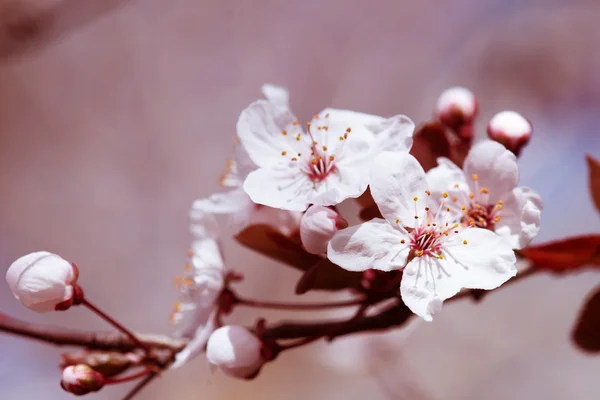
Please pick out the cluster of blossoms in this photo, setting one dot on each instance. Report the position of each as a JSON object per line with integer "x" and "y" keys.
{"x": 431, "y": 230}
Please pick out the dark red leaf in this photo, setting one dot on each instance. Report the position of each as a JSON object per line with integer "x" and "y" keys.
{"x": 594, "y": 167}
{"x": 565, "y": 255}
{"x": 587, "y": 330}
{"x": 322, "y": 274}
{"x": 430, "y": 142}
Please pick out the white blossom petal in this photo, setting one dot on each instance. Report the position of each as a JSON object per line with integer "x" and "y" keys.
{"x": 374, "y": 244}
{"x": 520, "y": 217}
{"x": 280, "y": 187}
{"x": 487, "y": 258}
{"x": 495, "y": 167}
{"x": 204, "y": 324}
{"x": 275, "y": 94}
{"x": 396, "y": 179}
{"x": 260, "y": 128}
{"x": 393, "y": 134}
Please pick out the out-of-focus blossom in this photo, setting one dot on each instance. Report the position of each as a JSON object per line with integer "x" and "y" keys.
{"x": 511, "y": 129}
{"x": 456, "y": 106}
{"x": 485, "y": 193}
{"x": 438, "y": 255}
{"x": 235, "y": 203}
{"x": 317, "y": 227}
{"x": 324, "y": 165}
{"x": 200, "y": 287}
{"x": 42, "y": 281}
{"x": 81, "y": 379}
{"x": 236, "y": 351}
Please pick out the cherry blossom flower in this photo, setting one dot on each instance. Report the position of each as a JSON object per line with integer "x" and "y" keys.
{"x": 236, "y": 351}
{"x": 200, "y": 287}
{"x": 324, "y": 165}
{"x": 235, "y": 203}
{"x": 317, "y": 227}
{"x": 485, "y": 193}
{"x": 438, "y": 255}
{"x": 42, "y": 281}
{"x": 456, "y": 106}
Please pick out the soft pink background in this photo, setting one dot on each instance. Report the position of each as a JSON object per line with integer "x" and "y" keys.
{"x": 115, "y": 115}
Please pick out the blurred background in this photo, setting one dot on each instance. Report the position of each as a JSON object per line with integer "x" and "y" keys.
{"x": 116, "y": 114}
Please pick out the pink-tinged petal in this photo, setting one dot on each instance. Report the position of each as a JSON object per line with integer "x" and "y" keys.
{"x": 222, "y": 203}
{"x": 281, "y": 186}
{"x": 427, "y": 282}
{"x": 265, "y": 131}
{"x": 342, "y": 119}
{"x": 286, "y": 221}
{"x": 396, "y": 179}
{"x": 275, "y": 94}
{"x": 495, "y": 167}
{"x": 520, "y": 217}
{"x": 317, "y": 227}
{"x": 485, "y": 257}
{"x": 374, "y": 244}
{"x": 393, "y": 134}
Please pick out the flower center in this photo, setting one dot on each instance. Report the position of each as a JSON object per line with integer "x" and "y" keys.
{"x": 478, "y": 211}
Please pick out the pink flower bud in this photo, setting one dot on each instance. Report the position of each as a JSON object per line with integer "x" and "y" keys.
{"x": 456, "y": 107}
{"x": 236, "y": 351}
{"x": 42, "y": 281}
{"x": 511, "y": 129}
{"x": 81, "y": 379}
{"x": 317, "y": 227}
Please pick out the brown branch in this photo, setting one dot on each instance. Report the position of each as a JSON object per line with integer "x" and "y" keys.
{"x": 115, "y": 341}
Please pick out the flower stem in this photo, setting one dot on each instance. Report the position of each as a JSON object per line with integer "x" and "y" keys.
{"x": 297, "y": 306}
{"x": 128, "y": 378}
{"x": 114, "y": 323}
{"x": 140, "y": 385}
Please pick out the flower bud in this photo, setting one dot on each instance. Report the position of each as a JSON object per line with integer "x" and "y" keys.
{"x": 317, "y": 227}
{"x": 236, "y": 351}
{"x": 456, "y": 108}
{"x": 81, "y": 379}
{"x": 43, "y": 281}
{"x": 510, "y": 129}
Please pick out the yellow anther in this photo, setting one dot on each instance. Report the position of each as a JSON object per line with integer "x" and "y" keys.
{"x": 316, "y": 116}
{"x": 456, "y": 186}
{"x": 299, "y": 154}
{"x": 475, "y": 177}
{"x": 314, "y": 162}
{"x": 324, "y": 148}
{"x": 441, "y": 256}
{"x": 497, "y": 218}
{"x": 471, "y": 195}
{"x": 448, "y": 209}
{"x": 464, "y": 242}
{"x": 398, "y": 220}
{"x": 445, "y": 195}
{"x": 419, "y": 253}
{"x": 296, "y": 123}
{"x": 426, "y": 208}
{"x": 403, "y": 241}
{"x": 341, "y": 138}
{"x": 428, "y": 193}
{"x": 463, "y": 208}
{"x": 346, "y": 135}
{"x": 325, "y": 127}
{"x": 284, "y": 133}
{"x": 283, "y": 153}
{"x": 415, "y": 198}
{"x": 416, "y": 217}
{"x": 483, "y": 190}
{"x": 298, "y": 137}
{"x": 498, "y": 207}
{"x": 331, "y": 158}
{"x": 348, "y": 130}
{"x": 455, "y": 231}
{"x": 327, "y": 115}
{"x": 454, "y": 199}
{"x": 294, "y": 159}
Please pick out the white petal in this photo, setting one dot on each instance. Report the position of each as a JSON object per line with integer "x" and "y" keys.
{"x": 203, "y": 328}
{"x": 222, "y": 203}
{"x": 280, "y": 186}
{"x": 487, "y": 259}
{"x": 520, "y": 217}
{"x": 235, "y": 350}
{"x": 342, "y": 119}
{"x": 427, "y": 282}
{"x": 374, "y": 244}
{"x": 394, "y": 134}
{"x": 277, "y": 95}
{"x": 260, "y": 128}
{"x": 447, "y": 177}
{"x": 317, "y": 227}
{"x": 396, "y": 178}
{"x": 496, "y": 168}
{"x": 284, "y": 220}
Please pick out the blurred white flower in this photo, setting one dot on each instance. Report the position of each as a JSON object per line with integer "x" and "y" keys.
{"x": 235, "y": 350}
{"x": 485, "y": 193}
{"x": 324, "y": 166}
{"x": 438, "y": 255}
{"x": 200, "y": 287}
{"x": 511, "y": 129}
{"x": 42, "y": 281}
{"x": 317, "y": 226}
{"x": 235, "y": 203}
{"x": 81, "y": 379}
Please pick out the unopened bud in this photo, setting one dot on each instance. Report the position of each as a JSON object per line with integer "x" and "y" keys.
{"x": 236, "y": 351}
{"x": 317, "y": 227}
{"x": 511, "y": 129}
{"x": 81, "y": 379}
{"x": 43, "y": 281}
{"x": 456, "y": 108}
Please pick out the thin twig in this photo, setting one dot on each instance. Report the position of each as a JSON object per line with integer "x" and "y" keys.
{"x": 142, "y": 384}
